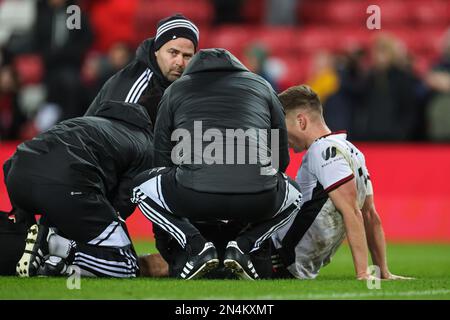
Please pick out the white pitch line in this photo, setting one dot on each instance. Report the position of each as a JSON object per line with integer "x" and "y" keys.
{"x": 355, "y": 295}
{"x": 373, "y": 293}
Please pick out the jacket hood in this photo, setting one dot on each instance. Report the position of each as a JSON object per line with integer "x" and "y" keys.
{"x": 131, "y": 113}
{"x": 214, "y": 60}
{"x": 145, "y": 53}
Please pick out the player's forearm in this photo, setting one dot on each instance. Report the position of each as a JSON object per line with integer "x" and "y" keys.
{"x": 357, "y": 240}
{"x": 376, "y": 241}
{"x": 345, "y": 200}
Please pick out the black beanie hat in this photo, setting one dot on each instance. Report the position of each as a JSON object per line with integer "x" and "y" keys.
{"x": 176, "y": 26}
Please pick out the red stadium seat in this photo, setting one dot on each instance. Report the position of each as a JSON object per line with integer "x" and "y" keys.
{"x": 112, "y": 21}
{"x": 314, "y": 39}
{"x": 234, "y": 38}
{"x": 297, "y": 70}
{"x": 253, "y": 11}
{"x": 311, "y": 12}
{"x": 151, "y": 11}
{"x": 424, "y": 40}
{"x": 30, "y": 68}
{"x": 199, "y": 11}
{"x": 277, "y": 40}
{"x": 346, "y": 12}
{"x": 348, "y": 38}
{"x": 431, "y": 12}
{"x": 393, "y": 12}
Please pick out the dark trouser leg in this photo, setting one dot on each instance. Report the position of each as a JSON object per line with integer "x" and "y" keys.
{"x": 150, "y": 199}
{"x": 102, "y": 244}
{"x": 19, "y": 189}
{"x": 98, "y": 241}
{"x": 252, "y": 239}
{"x": 82, "y": 217}
{"x": 106, "y": 261}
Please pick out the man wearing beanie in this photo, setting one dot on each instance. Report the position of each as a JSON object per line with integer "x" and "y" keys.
{"x": 159, "y": 61}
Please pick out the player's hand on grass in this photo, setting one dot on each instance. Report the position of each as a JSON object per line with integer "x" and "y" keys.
{"x": 366, "y": 276}
{"x": 390, "y": 276}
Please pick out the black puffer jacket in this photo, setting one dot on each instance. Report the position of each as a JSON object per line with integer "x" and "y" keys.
{"x": 219, "y": 91}
{"x": 141, "y": 81}
{"x": 100, "y": 153}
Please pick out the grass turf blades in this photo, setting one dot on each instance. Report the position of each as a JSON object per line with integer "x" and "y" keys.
{"x": 429, "y": 264}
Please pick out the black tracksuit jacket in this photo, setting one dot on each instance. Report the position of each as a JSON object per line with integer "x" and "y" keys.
{"x": 100, "y": 153}
{"x": 141, "y": 81}
{"x": 219, "y": 91}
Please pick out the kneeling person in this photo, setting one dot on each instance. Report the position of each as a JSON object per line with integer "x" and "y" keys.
{"x": 78, "y": 176}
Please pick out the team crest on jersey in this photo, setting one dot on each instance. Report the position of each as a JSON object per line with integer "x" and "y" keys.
{"x": 328, "y": 153}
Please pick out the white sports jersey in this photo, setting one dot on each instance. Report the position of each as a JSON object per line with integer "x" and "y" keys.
{"x": 310, "y": 240}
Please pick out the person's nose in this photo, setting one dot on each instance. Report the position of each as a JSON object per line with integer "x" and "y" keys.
{"x": 179, "y": 61}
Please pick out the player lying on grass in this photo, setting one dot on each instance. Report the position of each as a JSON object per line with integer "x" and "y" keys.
{"x": 78, "y": 175}
{"x": 337, "y": 194}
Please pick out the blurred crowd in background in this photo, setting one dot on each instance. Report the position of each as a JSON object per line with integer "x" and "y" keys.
{"x": 391, "y": 84}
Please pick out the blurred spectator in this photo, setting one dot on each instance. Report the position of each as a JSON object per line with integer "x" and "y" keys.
{"x": 62, "y": 51}
{"x": 281, "y": 12}
{"x": 227, "y": 11}
{"x": 438, "y": 109}
{"x": 118, "y": 57}
{"x": 255, "y": 59}
{"x": 5, "y": 57}
{"x": 323, "y": 79}
{"x": 16, "y": 18}
{"x": 11, "y": 117}
{"x": 340, "y": 109}
{"x": 390, "y": 109}
{"x": 98, "y": 69}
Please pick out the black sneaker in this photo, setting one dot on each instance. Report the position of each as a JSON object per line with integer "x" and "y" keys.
{"x": 53, "y": 267}
{"x": 239, "y": 262}
{"x": 200, "y": 264}
{"x": 36, "y": 247}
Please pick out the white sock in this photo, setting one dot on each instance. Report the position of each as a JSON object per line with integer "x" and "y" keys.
{"x": 59, "y": 246}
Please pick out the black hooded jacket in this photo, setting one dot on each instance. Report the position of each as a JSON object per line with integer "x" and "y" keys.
{"x": 141, "y": 81}
{"x": 100, "y": 153}
{"x": 219, "y": 91}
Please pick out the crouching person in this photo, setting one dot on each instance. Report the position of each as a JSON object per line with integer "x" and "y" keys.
{"x": 77, "y": 176}
{"x": 217, "y": 96}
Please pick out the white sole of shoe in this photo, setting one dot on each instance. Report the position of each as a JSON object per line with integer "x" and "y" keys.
{"x": 23, "y": 266}
{"x": 237, "y": 269}
{"x": 204, "y": 269}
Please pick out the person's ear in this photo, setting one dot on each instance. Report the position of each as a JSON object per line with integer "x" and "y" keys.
{"x": 302, "y": 121}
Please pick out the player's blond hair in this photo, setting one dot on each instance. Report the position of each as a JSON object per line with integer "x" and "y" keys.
{"x": 301, "y": 97}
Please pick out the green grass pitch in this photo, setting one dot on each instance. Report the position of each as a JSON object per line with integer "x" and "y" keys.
{"x": 429, "y": 264}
